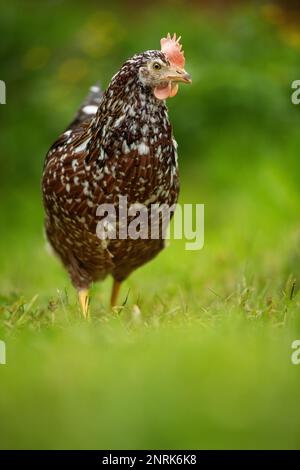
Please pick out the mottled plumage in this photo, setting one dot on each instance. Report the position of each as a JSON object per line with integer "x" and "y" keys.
{"x": 119, "y": 144}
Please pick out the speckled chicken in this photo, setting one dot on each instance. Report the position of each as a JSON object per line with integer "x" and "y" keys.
{"x": 119, "y": 144}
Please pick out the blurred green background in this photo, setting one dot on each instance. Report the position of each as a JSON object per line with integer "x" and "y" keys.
{"x": 203, "y": 360}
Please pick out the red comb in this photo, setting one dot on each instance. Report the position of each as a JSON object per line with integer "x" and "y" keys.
{"x": 171, "y": 47}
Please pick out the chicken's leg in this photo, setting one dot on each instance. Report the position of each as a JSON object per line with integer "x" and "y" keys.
{"x": 83, "y": 296}
{"x": 114, "y": 293}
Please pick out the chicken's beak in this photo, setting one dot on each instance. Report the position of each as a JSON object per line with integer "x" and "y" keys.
{"x": 178, "y": 75}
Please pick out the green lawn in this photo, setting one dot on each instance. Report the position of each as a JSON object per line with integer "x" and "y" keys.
{"x": 200, "y": 354}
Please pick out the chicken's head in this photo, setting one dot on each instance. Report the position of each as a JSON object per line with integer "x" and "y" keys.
{"x": 165, "y": 69}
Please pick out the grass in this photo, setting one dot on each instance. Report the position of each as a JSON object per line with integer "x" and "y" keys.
{"x": 111, "y": 385}
{"x": 165, "y": 377}
{"x": 199, "y": 356}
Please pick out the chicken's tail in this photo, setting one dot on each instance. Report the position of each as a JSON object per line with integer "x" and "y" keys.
{"x": 88, "y": 108}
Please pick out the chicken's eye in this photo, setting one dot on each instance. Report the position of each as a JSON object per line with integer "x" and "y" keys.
{"x": 156, "y": 66}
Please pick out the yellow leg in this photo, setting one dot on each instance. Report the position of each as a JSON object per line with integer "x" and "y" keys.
{"x": 114, "y": 293}
{"x": 83, "y": 296}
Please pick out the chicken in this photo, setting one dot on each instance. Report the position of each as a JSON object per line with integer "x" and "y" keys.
{"x": 120, "y": 144}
